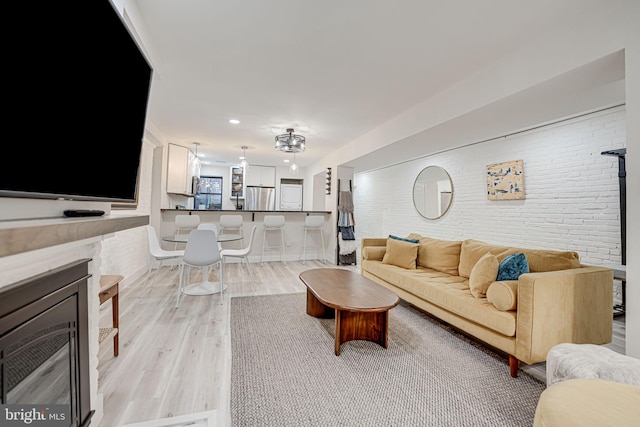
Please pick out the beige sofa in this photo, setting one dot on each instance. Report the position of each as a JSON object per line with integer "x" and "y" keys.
{"x": 558, "y": 301}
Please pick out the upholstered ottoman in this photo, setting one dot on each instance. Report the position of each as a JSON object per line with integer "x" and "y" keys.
{"x": 588, "y": 403}
{"x": 587, "y": 361}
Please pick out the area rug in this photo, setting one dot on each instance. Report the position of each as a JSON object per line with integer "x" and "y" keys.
{"x": 285, "y": 373}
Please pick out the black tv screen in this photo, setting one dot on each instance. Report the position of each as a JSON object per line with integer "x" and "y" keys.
{"x": 77, "y": 87}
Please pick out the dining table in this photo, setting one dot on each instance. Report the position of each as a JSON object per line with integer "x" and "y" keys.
{"x": 205, "y": 287}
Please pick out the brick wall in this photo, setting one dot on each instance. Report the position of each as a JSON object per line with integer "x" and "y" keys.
{"x": 572, "y": 193}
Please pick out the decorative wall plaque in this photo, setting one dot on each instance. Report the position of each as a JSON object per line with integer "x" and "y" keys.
{"x": 505, "y": 181}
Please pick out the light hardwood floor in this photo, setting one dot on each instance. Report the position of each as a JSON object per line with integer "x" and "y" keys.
{"x": 176, "y": 362}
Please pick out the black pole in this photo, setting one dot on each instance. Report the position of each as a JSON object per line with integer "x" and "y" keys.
{"x": 622, "y": 182}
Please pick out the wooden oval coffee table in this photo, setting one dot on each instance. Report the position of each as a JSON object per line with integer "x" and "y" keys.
{"x": 360, "y": 306}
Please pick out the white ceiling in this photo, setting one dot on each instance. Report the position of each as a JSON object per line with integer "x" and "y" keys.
{"x": 341, "y": 68}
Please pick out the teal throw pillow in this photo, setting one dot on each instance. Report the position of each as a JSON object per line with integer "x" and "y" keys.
{"x": 512, "y": 266}
{"x": 403, "y": 239}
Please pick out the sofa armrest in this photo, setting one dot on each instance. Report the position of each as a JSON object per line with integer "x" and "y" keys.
{"x": 373, "y": 241}
{"x": 554, "y": 307}
{"x": 380, "y": 243}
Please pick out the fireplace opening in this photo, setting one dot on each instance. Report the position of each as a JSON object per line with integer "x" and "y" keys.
{"x": 44, "y": 348}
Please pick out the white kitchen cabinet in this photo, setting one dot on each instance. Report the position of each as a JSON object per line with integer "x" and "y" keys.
{"x": 262, "y": 176}
{"x": 181, "y": 166}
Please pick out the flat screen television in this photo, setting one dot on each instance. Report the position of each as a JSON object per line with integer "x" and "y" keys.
{"x": 76, "y": 92}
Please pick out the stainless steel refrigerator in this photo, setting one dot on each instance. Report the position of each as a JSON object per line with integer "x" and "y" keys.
{"x": 260, "y": 198}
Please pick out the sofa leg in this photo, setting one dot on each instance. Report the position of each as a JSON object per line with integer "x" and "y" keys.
{"x": 513, "y": 366}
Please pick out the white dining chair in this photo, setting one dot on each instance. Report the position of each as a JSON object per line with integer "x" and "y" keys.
{"x": 243, "y": 254}
{"x": 157, "y": 253}
{"x": 201, "y": 251}
{"x": 210, "y": 226}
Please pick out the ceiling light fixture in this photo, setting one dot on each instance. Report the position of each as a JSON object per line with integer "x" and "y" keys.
{"x": 244, "y": 162}
{"x": 234, "y": 121}
{"x": 290, "y": 142}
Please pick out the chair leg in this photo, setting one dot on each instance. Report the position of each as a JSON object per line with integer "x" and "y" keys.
{"x": 282, "y": 253}
{"x": 324, "y": 254}
{"x": 221, "y": 282}
{"x": 264, "y": 242}
{"x": 246, "y": 260}
{"x": 304, "y": 247}
{"x": 180, "y": 272}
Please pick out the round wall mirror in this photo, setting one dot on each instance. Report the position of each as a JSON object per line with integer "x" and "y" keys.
{"x": 432, "y": 192}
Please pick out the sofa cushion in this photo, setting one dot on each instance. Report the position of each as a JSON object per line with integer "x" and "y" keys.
{"x": 374, "y": 252}
{"x": 449, "y": 292}
{"x": 472, "y": 250}
{"x": 540, "y": 260}
{"x": 483, "y": 274}
{"x": 503, "y": 295}
{"x": 512, "y": 267}
{"x": 440, "y": 255}
{"x": 400, "y": 253}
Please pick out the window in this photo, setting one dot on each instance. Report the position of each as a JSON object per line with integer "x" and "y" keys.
{"x": 208, "y": 193}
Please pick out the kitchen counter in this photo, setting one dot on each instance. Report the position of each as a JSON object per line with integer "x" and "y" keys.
{"x": 207, "y": 212}
{"x": 242, "y": 211}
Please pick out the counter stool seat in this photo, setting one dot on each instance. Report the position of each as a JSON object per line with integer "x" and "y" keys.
{"x": 186, "y": 223}
{"x": 232, "y": 224}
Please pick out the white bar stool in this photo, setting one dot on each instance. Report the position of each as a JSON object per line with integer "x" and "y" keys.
{"x": 273, "y": 223}
{"x": 186, "y": 222}
{"x": 313, "y": 223}
{"x": 232, "y": 224}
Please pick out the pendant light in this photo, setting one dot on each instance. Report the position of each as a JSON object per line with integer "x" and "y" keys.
{"x": 293, "y": 168}
{"x": 196, "y": 163}
{"x": 244, "y": 162}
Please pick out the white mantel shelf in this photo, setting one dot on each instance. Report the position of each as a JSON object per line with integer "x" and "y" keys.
{"x": 28, "y": 235}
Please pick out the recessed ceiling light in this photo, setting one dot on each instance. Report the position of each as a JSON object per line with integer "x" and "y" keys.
{"x": 286, "y": 160}
{"x": 234, "y": 121}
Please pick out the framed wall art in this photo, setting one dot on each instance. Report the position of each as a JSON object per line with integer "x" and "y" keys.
{"x": 505, "y": 181}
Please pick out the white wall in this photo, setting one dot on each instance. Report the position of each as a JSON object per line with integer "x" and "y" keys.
{"x": 126, "y": 252}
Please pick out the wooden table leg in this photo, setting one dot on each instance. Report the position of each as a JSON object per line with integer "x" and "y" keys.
{"x": 317, "y": 309}
{"x": 356, "y": 325}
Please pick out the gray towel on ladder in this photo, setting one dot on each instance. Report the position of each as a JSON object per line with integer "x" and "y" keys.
{"x": 345, "y": 201}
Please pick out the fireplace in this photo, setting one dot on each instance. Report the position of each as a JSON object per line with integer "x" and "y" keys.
{"x": 44, "y": 348}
